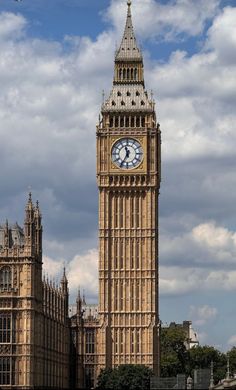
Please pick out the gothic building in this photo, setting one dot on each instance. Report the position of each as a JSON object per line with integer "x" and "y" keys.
{"x": 41, "y": 346}
{"x": 128, "y": 175}
{"x": 34, "y": 324}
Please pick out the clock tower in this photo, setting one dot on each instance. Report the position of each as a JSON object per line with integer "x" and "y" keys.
{"x": 128, "y": 176}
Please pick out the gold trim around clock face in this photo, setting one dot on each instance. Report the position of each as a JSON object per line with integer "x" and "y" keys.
{"x": 127, "y": 153}
{"x": 124, "y": 156}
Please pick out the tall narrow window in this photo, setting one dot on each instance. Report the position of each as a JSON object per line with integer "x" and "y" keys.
{"x": 135, "y": 73}
{"x": 132, "y": 254}
{"x": 116, "y": 295}
{"x": 128, "y": 73}
{"x": 133, "y": 212}
{"x": 121, "y": 211}
{"x": 137, "y": 211}
{"x": 132, "y": 297}
{"x": 115, "y": 254}
{"x": 137, "y": 295}
{"x": 121, "y": 254}
{"x": 5, "y": 328}
{"x": 137, "y": 254}
{"x": 89, "y": 341}
{"x": 132, "y": 341}
{"x": 116, "y": 340}
{"x": 5, "y": 278}
{"x": 5, "y": 371}
{"x": 89, "y": 376}
{"x": 116, "y": 214}
{"x": 138, "y": 341}
{"x": 121, "y": 341}
{"x": 121, "y": 295}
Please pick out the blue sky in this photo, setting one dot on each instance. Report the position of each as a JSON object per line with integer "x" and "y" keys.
{"x": 56, "y": 58}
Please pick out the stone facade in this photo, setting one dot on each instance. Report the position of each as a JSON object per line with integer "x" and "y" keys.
{"x": 34, "y": 324}
{"x": 128, "y": 176}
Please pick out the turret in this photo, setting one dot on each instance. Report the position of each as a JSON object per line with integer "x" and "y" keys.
{"x": 65, "y": 292}
{"x": 29, "y": 224}
{"x": 79, "y": 308}
{"x": 64, "y": 283}
{"x": 38, "y": 228}
{"x": 6, "y": 235}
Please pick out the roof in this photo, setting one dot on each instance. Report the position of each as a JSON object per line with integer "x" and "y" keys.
{"x": 129, "y": 49}
{"x": 128, "y": 97}
{"x": 16, "y": 235}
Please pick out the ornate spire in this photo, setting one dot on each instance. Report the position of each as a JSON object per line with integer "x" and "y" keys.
{"x": 129, "y": 49}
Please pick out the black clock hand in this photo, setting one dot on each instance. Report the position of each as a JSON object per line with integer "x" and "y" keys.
{"x": 124, "y": 159}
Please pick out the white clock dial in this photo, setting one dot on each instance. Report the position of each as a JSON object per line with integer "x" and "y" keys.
{"x": 127, "y": 153}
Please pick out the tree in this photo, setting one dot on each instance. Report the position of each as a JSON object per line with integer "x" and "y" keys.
{"x": 202, "y": 356}
{"x": 174, "y": 355}
{"x": 232, "y": 360}
{"x": 125, "y": 377}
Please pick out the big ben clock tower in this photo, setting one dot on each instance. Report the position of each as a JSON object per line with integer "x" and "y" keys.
{"x": 128, "y": 174}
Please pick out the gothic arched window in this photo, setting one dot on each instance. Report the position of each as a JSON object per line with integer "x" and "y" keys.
{"x": 5, "y": 278}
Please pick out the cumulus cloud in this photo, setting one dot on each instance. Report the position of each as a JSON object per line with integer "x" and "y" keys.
{"x": 11, "y": 26}
{"x": 202, "y": 314}
{"x": 81, "y": 271}
{"x": 205, "y": 245}
{"x": 167, "y": 21}
{"x": 232, "y": 341}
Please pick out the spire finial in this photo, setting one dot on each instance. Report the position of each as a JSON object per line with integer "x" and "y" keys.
{"x": 129, "y": 2}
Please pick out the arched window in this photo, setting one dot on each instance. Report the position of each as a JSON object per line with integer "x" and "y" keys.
{"x": 128, "y": 73}
{"x": 120, "y": 74}
{"x": 135, "y": 73}
{"x": 124, "y": 74}
{"x": 5, "y": 278}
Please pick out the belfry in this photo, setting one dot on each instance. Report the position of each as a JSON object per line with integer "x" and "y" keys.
{"x": 128, "y": 177}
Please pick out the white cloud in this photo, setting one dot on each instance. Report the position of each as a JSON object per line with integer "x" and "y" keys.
{"x": 214, "y": 237}
{"x": 153, "y": 19}
{"x": 202, "y": 314}
{"x": 52, "y": 268}
{"x": 205, "y": 245}
{"x": 83, "y": 273}
{"x": 11, "y": 26}
{"x": 232, "y": 341}
{"x": 222, "y": 38}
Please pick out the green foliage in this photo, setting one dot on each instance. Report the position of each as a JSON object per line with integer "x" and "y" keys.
{"x": 174, "y": 356}
{"x": 232, "y": 360}
{"x": 202, "y": 356}
{"x": 125, "y": 377}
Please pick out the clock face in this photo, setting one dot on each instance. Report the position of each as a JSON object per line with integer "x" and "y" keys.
{"x": 127, "y": 153}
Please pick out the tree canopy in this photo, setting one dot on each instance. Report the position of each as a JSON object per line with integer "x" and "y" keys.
{"x": 125, "y": 377}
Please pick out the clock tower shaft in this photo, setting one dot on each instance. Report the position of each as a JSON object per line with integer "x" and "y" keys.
{"x": 128, "y": 215}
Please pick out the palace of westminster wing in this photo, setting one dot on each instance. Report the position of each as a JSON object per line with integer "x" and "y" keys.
{"x": 41, "y": 345}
